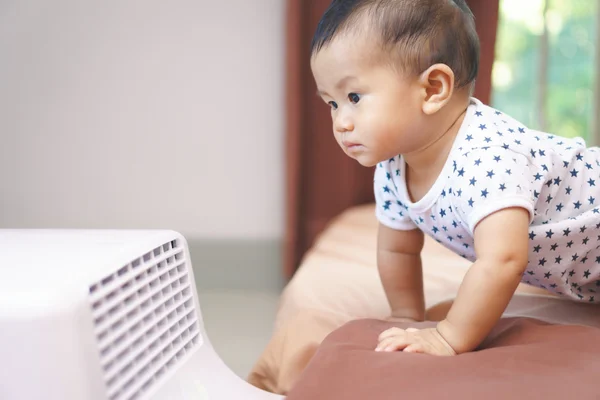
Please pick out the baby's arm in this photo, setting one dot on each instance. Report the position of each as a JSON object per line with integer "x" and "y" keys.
{"x": 400, "y": 271}
{"x": 501, "y": 247}
{"x": 501, "y": 243}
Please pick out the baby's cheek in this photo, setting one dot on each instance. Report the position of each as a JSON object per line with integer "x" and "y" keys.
{"x": 338, "y": 138}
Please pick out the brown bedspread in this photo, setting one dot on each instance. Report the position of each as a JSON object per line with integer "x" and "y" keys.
{"x": 522, "y": 358}
{"x": 338, "y": 282}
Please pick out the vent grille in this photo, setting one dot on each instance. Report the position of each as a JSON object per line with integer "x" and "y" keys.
{"x": 145, "y": 320}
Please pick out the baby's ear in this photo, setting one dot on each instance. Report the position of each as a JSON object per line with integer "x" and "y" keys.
{"x": 438, "y": 86}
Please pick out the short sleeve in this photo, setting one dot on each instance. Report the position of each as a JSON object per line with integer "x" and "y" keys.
{"x": 488, "y": 180}
{"x": 390, "y": 210}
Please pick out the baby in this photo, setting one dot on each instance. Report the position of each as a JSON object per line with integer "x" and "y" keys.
{"x": 524, "y": 206}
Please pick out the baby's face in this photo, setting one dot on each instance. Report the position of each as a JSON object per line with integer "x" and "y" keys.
{"x": 376, "y": 110}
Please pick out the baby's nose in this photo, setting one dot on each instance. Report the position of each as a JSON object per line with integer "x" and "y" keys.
{"x": 343, "y": 123}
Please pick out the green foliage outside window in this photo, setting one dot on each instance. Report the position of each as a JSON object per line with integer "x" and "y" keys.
{"x": 571, "y": 27}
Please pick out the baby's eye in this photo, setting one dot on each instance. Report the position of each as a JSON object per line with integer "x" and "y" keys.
{"x": 333, "y": 105}
{"x": 354, "y": 98}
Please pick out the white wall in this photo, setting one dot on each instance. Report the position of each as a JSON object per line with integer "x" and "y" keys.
{"x": 143, "y": 114}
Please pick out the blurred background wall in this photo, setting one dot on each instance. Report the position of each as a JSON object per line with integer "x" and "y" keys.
{"x": 148, "y": 114}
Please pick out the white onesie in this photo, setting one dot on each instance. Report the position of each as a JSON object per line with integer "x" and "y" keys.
{"x": 495, "y": 163}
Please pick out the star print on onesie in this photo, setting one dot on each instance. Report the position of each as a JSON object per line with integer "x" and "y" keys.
{"x": 496, "y": 163}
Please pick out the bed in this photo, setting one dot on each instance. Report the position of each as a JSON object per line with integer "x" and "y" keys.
{"x": 337, "y": 287}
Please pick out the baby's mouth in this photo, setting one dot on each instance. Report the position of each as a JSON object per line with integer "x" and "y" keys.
{"x": 353, "y": 148}
{"x": 347, "y": 144}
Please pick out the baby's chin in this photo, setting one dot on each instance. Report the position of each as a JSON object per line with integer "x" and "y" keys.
{"x": 366, "y": 161}
{"x": 365, "y": 157}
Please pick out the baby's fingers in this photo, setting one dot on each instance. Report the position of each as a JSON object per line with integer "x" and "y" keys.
{"x": 395, "y": 332}
{"x": 392, "y": 344}
{"x": 413, "y": 348}
{"x": 390, "y": 333}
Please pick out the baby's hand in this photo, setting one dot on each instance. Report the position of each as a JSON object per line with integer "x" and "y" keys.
{"x": 411, "y": 340}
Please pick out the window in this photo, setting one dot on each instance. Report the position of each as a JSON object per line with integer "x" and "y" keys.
{"x": 546, "y": 65}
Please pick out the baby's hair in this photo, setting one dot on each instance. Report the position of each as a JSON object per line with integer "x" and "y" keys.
{"x": 416, "y": 33}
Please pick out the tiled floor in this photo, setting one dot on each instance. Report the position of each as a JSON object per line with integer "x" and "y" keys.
{"x": 239, "y": 324}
